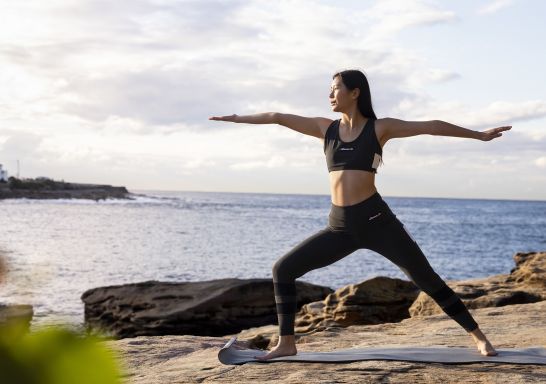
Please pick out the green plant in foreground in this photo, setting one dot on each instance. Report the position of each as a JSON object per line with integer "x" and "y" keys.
{"x": 55, "y": 355}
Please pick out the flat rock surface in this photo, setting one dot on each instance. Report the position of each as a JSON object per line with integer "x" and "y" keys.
{"x": 194, "y": 359}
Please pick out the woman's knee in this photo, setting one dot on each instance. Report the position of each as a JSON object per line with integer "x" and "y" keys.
{"x": 281, "y": 269}
{"x": 276, "y": 269}
{"x": 302, "y": 257}
{"x": 425, "y": 278}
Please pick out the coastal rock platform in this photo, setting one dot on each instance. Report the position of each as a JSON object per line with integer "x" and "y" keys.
{"x": 194, "y": 359}
{"x": 50, "y": 189}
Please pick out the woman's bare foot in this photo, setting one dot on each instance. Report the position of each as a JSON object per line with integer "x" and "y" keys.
{"x": 285, "y": 347}
{"x": 484, "y": 346}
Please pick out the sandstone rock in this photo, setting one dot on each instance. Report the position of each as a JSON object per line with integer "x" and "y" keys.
{"x": 530, "y": 269}
{"x": 215, "y": 307}
{"x": 526, "y": 283}
{"x": 193, "y": 359}
{"x": 374, "y": 301}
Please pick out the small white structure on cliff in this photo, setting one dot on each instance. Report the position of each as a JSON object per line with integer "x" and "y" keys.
{"x": 3, "y": 174}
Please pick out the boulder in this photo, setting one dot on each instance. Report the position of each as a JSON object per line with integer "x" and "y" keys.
{"x": 530, "y": 270}
{"x": 526, "y": 283}
{"x": 215, "y": 307}
{"x": 374, "y": 301}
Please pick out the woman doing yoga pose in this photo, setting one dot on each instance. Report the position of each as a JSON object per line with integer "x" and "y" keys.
{"x": 359, "y": 217}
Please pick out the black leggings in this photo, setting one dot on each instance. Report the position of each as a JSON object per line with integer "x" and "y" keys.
{"x": 372, "y": 225}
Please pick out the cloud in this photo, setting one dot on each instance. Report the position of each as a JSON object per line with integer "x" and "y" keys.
{"x": 494, "y": 114}
{"x": 516, "y": 152}
{"x": 20, "y": 145}
{"x": 495, "y": 6}
{"x": 273, "y": 162}
{"x": 389, "y": 17}
{"x": 121, "y": 90}
{"x": 137, "y": 61}
{"x": 541, "y": 162}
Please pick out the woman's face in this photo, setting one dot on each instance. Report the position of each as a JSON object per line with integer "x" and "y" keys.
{"x": 340, "y": 97}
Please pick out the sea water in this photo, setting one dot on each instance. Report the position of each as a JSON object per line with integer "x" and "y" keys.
{"x": 57, "y": 249}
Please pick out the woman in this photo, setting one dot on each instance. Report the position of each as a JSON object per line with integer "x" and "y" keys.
{"x": 359, "y": 217}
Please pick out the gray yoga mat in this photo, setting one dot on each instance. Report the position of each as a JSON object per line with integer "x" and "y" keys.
{"x": 234, "y": 354}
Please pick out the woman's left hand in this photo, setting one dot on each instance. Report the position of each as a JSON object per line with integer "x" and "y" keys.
{"x": 493, "y": 133}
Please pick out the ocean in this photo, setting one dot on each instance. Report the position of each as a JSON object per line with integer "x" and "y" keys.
{"x": 57, "y": 249}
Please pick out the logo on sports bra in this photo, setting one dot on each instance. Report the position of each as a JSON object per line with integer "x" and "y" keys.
{"x": 376, "y": 160}
{"x": 346, "y": 149}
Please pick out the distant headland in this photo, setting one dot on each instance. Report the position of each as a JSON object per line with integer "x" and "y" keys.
{"x": 46, "y": 188}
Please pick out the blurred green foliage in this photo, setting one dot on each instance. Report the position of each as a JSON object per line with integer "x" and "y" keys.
{"x": 55, "y": 355}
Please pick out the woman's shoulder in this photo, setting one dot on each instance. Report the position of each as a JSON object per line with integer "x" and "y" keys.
{"x": 324, "y": 124}
{"x": 381, "y": 130}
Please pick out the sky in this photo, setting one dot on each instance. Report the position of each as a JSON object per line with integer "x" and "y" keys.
{"x": 121, "y": 92}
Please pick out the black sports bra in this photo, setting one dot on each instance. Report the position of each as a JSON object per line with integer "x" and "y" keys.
{"x": 363, "y": 153}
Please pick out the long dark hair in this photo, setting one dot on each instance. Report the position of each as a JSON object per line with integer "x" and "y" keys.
{"x": 353, "y": 78}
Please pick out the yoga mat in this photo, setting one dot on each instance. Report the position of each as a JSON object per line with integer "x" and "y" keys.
{"x": 234, "y": 354}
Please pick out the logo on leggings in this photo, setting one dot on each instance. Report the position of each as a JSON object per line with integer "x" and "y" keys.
{"x": 373, "y": 217}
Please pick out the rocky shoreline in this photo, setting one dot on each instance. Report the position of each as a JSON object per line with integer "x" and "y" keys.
{"x": 227, "y": 306}
{"x": 172, "y": 332}
{"x": 50, "y": 189}
{"x": 194, "y": 359}
{"x": 510, "y": 309}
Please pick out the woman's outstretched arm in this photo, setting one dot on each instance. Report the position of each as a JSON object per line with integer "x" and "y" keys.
{"x": 442, "y": 128}
{"x": 258, "y": 118}
{"x": 400, "y": 128}
{"x": 312, "y": 126}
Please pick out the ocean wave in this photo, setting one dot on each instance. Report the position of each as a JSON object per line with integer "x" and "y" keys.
{"x": 133, "y": 199}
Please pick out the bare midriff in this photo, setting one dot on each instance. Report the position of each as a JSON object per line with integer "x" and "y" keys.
{"x": 351, "y": 186}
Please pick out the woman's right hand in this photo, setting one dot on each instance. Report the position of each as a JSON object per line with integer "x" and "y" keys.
{"x": 232, "y": 118}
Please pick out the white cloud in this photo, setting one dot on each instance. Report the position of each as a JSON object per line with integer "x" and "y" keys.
{"x": 101, "y": 89}
{"x": 199, "y": 163}
{"x": 494, "y": 114}
{"x": 388, "y": 17}
{"x": 275, "y": 161}
{"x": 541, "y": 162}
{"x": 136, "y": 60}
{"x": 495, "y": 6}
